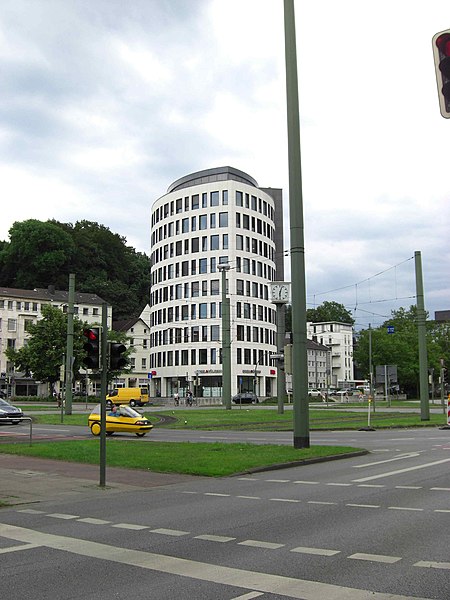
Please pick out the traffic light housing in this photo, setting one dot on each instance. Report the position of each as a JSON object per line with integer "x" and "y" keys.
{"x": 116, "y": 359}
{"x": 92, "y": 347}
{"x": 441, "y": 51}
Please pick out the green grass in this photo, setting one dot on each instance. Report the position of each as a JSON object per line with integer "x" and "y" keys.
{"x": 211, "y": 460}
{"x": 266, "y": 420}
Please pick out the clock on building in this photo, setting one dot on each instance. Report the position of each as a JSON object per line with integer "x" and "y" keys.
{"x": 280, "y": 292}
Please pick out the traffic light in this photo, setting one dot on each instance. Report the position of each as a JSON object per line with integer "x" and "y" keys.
{"x": 441, "y": 51}
{"x": 92, "y": 348}
{"x": 116, "y": 360}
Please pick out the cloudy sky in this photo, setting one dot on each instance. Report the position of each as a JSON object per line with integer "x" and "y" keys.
{"x": 104, "y": 103}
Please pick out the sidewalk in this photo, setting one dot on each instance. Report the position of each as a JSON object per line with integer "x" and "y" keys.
{"x": 25, "y": 479}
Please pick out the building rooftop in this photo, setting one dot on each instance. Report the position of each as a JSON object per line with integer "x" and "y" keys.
{"x": 210, "y": 176}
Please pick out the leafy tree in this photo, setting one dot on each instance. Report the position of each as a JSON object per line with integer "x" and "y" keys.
{"x": 329, "y": 311}
{"x": 43, "y": 354}
{"x": 401, "y": 348}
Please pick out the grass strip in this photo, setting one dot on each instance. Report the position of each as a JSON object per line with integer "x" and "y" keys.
{"x": 206, "y": 459}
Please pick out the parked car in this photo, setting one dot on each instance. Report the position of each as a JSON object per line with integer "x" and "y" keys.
{"x": 126, "y": 420}
{"x": 314, "y": 393}
{"x": 9, "y": 413}
{"x": 246, "y": 398}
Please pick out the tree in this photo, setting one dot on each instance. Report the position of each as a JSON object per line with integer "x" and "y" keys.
{"x": 43, "y": 354}
{"x": 329, "y": 311}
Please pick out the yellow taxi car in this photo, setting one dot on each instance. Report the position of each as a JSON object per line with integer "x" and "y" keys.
{"x": 123, "y": 419}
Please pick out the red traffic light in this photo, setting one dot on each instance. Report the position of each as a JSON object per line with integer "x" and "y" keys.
{"x": 441, "y": 51}
{"x": 92, "y": 347}
{"x": 91, "y": 334}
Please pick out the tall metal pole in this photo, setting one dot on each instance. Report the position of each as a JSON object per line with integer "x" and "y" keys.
{"x": 103, "y": 386}
{"x": 299, "y": 349}
{"x": 421, "y": 329}
{"x": 281, "y": 372}
{"x": 69, "y": 347}
{"x": 226, "y": 340}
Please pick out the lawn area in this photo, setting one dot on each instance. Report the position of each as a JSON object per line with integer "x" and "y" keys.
{"x": 210, "y": 460}
{"x": 262, "y": 419}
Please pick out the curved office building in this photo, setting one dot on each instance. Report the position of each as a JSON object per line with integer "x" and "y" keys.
{"x": 207, "y": 219}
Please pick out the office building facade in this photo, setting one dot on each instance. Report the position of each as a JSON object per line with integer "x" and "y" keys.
{"x": 206, "y": 220}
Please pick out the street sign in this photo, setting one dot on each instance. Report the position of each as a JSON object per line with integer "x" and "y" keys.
{"x": 276, "y": 356}
{"x": 391, "y": 329}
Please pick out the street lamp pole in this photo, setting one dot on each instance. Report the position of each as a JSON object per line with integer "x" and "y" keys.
{"x": 299, "y": 348}
{"x": 226, "y": 340}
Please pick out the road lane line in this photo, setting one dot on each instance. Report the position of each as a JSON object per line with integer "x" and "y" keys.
{"x": 405, "y": 508}
{"x": 214, "y": 538}
{"x": 363, "y": 505}
{"x": 172, "y": 532}
{"x": 260, "y": 544}
{"x": 283, "y": 500}
{"x": 381, "y": 462}
{"x": 320, "y": 502}
{"x": 375, "y": 557}
{"x": 249, "y": 497}
{"x": 248, "y": 596}
{"x": 289, "y": 587}
{"x": 408, "y": 487}
{"x": 316, "y": 551}
{"x": 371, "y": 485}
{"x": 63, "y": 516}
{"x": 93, "y": 521}
{"x": 439, "y": 489}
{"x": 432, "y": 565}
{"x": 399, "y": 471}
{"x": 340, "y": 484}
{"x": 277, "y": 480}
{"x": 31, "y": 511}
{"x": 308, "y": 482}
{"x": 17, "y": 548}
{"x": 216, "y": 494}
{"x": 131, "y": 526}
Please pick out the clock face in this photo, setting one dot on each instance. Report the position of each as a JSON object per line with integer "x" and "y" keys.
{"x": 280, "y": 292}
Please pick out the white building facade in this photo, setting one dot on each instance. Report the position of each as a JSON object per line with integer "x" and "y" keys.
{"x": 210, "y": 218}
{"x": 20, "y": 308}
{"x": 339, "y": 338}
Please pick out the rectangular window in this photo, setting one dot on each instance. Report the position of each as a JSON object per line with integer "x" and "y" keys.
{"x": 239, "y": 198}
{"x": 195, "y": 289}
{"x": 195, "y": 201}
{"x": 214, "y": 199}
{"x": 215, "y": 333}
{"x": 203, "y": 222}
{"x": 195, "y": 244}
{"x": 223, "y": 219}
{"x": 225, "y": 197}
{"x": 212, "y": 310}
{"x": 203, "y": 356}
{"x": 239, "y": 242}
{"x": 212, "y": 220}
{"x": 12, "y": 325}
{"x": 225, "y": 241}
{"x": 193, "y": 223}
{"x": 214, "y": 242}
{"x": 204, "y": 243}
{"x": 214, "y": 287}
{"x": 240, "y": 287}
{"x": 203, "y": 265}
{"x": 203, "y": 310}
{"x": 185, "y": 225}
{"x": 185, "y": 268}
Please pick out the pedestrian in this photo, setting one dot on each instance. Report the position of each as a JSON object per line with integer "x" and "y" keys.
{"x": 189, "y": 398}
{"x": 176, "y": 399}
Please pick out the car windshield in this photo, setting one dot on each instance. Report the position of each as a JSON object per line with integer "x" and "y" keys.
{"x": 122, "y": 411}
{"x": 3, "y": 403}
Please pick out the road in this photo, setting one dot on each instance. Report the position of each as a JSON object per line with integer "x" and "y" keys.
{"x": 373, "y": 527}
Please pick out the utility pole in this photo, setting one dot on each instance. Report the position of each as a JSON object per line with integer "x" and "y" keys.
{"x": 281, "y": 371}
{"x": 299, "y": 348}
{"x": 103, "y": 386}
{"x": 226, "y": 340}
{"x": 421, "y": 328}
{"x": 69, "y": 348}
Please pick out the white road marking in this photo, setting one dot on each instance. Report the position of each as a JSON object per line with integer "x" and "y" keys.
{"x": 404, "y": 508}
{"x": 94, "y": 521}
{"x": 319, "y": 502}
{"x": 63, "y": 516}
{"x": 216, "y": 494}
{"x": 249, "y": 497}
{"x": 389, "y": 473}
{"x": 277, "y": 480}
{"x": 308, "y": 482}
{"x": 375, "y": 557}
{"x": 173, "y": 532}
{"x": 432, "y": 565}
{"x": 289, "y": 587}
{"x": 442, "y": 510}
{"x": 364, "y": 505}
{"x": 31, "y": 511}
{"x": 408, "y": 487}
{"x": 131, "y": 526}
{"x": 214, "y": 538}
{"x": 283, "y": 500}
{"x": 381, "y": 462}
{"x": 318, "y": 551}
{"x": 248, "y": 596}
{"x": 260, "y": 544}
{"x": 189, "y": 492}
{"x": 340, "y": 484}
{"x": 17, "y": 548}
{"x": 439, "y": 489}
{"x": 248, "y": 479}
{"x": 371, "y": 485}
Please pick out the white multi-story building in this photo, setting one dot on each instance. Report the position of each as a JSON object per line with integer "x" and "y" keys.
{"x": 210, "y": 218}
{"x": 339, "y": 338}
{"x": 18, "y": 309}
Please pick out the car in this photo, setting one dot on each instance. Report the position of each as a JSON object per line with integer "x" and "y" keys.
{"x": 9, "y": 413}
{"x": 314, "y": 393}
{"x": 127, "y": 420}
{"x": 246, "y": 398}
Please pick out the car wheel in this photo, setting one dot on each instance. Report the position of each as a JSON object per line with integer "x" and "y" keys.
{"x": 140, "y": 433}
{"x": 95, "y": 428}
{"x": 132, "y": 402}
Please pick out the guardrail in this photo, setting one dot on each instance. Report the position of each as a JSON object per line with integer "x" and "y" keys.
{"x": 6, "y": 420}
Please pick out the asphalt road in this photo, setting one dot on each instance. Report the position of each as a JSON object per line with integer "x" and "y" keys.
{"x": 373, "y": 527}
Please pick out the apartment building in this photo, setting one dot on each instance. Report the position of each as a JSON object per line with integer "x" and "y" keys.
{"x": 18, "y": 309}
{"x": 339, "y": 338}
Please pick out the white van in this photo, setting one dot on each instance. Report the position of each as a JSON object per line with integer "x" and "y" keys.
{"x": 132, "y": 396}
